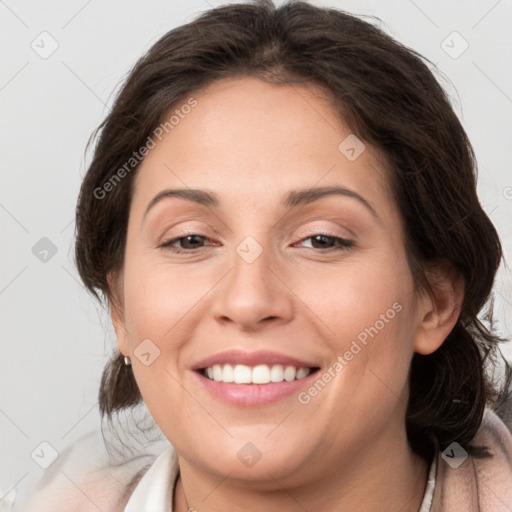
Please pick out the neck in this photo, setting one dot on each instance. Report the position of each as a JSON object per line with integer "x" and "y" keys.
{"x": 389, "y": 477}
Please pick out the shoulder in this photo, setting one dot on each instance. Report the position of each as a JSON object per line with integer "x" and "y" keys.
{"x": 493, "y": 472}
{"x": 479, "y": 480}
{"x": 497, "y": 434}
{"x": 86, "y": 478}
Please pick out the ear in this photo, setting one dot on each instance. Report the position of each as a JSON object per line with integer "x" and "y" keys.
{"x": 438, "y": 312}
{"x": 116, "y": 308}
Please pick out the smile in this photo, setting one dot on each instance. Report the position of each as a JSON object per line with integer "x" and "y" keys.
{"x": 244, "y": 378}
{"x": 259, "y": 374}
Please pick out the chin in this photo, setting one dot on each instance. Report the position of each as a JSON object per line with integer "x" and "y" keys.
{"x": 256, "y": 460}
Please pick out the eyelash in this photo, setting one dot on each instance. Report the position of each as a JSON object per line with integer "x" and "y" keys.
{"x": 343, "y": 244}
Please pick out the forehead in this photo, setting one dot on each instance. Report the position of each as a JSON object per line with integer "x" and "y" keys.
{"x": 258, "y": 140}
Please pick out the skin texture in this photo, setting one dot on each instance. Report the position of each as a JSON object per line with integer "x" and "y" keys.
{"x": 250, "y": 142}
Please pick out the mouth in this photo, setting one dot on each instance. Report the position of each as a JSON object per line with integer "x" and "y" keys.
{"x": 251, "y": 379}
{"x": 259, "y": 374}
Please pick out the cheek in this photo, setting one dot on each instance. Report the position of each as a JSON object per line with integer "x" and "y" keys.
{"x": 369, "y": 312}
{"x": 360, "y": 296}
{"x": 158, "y": 298}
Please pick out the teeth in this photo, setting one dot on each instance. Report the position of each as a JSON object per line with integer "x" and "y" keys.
{"x": 260, "y": 374}
{"x": 276, "y": 373}
{"x": 242, "y": 374}
{"x": 302, "y": 372}
{"x": 228, "y": 374}
{"x": 217, "y": 372}
{"x": 289, "y": 373}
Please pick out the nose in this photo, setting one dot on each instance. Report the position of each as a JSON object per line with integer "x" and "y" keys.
{"x": 253, "y": 294}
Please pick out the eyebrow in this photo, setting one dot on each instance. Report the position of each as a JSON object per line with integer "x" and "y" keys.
{"x": 292, "y": 199}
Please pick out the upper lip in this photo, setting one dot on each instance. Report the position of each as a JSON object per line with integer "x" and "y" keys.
{"x": 235, "y": 357}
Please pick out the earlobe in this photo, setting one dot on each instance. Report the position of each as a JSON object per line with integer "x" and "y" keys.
{"x": 439, "y": 311}
{"x": 117, "y": 314}
{"x": 120, "y": 330}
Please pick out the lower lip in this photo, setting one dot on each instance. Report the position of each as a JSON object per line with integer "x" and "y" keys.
{"x": 254, "y": 395}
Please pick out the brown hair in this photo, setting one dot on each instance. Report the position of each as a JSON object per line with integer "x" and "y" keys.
{"x": 388, "y": 96}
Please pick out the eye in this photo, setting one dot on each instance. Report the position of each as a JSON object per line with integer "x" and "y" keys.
{"x": 326, "y": 242}
{"x": 321, "y": 241}
{"x": 188, "y": 243}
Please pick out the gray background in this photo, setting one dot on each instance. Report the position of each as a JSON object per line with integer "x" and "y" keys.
{"x": 54, "y": 338}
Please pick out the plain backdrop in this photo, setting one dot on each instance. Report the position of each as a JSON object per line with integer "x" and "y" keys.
{"x": 61, "y": 62}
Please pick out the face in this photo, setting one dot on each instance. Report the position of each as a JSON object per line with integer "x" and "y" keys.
{"x": 304, "y": 298}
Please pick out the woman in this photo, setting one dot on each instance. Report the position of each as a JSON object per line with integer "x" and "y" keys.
{"x": 281, "y": 213}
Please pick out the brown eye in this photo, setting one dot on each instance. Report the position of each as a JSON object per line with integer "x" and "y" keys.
{"x": 185, "y": 243}
{"x": 327, "y": 242}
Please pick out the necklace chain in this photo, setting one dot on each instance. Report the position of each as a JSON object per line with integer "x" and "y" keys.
{"x": 184, "y": 495}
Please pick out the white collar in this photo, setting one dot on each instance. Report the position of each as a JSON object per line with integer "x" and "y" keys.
{"x": 154, "y": 492}
{"x": 428, "y": 498}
